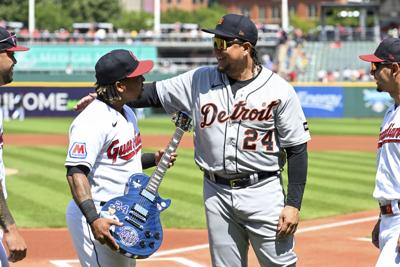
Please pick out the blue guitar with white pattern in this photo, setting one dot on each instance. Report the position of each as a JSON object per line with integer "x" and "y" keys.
{"x": 139, "y": 209}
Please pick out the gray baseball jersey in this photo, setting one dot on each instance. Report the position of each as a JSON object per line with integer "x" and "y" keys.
{"x": 255, "y": 124}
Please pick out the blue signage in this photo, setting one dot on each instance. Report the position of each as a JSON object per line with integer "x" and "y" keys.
{"x": 321, "y": 102}
{"x": 42, "y": 101}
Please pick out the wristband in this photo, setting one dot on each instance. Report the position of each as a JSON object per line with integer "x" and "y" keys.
{"x": 88, "y": 209}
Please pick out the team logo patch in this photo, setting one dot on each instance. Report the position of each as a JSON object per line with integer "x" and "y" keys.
{"x": 129, "y": 236}
{"x": 78, "y": 150}
{"x": 305, "y": 125}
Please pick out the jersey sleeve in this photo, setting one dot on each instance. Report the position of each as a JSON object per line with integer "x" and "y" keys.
{"x": 291, "y": 123}
{"x": 86, "y": 140}
{"x": 175, "y": 93}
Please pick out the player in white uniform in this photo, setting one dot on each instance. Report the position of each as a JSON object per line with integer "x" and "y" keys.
{"x": 104, "y": 151}
{"x": 247, "y": 122}
{"x": 385, "y": 67}
{"x": 9, "y": 233}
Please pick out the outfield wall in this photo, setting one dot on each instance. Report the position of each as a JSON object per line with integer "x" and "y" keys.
{"x": 317, "y": 99}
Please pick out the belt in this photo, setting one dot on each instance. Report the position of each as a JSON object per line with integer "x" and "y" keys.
{"x": 242, "y": 182}
{"x": 387, "y": 209}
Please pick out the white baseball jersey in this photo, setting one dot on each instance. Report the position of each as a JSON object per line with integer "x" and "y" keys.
{"x": 109, "y": 144}
{"x": 387, "y": 186}
{"x": 241, "y": 133}
{"x": 2, "y": 168}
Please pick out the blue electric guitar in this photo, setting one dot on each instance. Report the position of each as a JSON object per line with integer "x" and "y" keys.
{"x": 139, "y": 209}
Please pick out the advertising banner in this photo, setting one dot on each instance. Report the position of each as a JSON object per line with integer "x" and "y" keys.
{"x": 40, "y": 101}
{"x": 321, "y": 102}
{"x": 366, "y": 102}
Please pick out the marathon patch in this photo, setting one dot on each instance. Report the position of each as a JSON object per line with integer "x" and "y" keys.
{"x": 78, "y": 150}
{"x": 305, "y": 125}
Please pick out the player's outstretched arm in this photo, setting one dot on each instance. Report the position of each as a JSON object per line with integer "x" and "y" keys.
{"x": 80, "y": 189}
{"x": 85, "y": 101}
{"x": 12, "y": 238}
{"x": 152, "y": 159}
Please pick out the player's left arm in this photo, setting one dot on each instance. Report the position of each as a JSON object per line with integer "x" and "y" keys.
{"x": 152, "y": 159}
{"x": 297, "y": 175}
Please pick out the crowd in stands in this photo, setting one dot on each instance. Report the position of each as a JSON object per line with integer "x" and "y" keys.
{"x": 345, "y": 75}
{"x": 95, "y": 34}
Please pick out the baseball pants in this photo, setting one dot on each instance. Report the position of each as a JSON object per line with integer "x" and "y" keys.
{"x": 91, "y": 253}
{"x": 3, "y": 254}
{"x": 236, "y": 217}
{"x": 389, "y": 232}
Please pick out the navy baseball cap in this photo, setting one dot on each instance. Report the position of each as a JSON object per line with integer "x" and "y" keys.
{"x": 8, "y": 42}
{"x": 236, "y": 26}
{"x": 119, "y": 64}
{"x": 387, "y": 51}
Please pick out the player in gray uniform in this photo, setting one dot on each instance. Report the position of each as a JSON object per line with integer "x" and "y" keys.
{"x": 247, "y": 122}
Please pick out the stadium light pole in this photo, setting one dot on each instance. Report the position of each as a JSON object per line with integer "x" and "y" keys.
{"x": 31, "y": 18}
{"x": 157, "y": 17}
{"x": 285, "y": 15}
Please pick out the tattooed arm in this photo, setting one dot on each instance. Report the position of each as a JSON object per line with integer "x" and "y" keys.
{"x": 12, "y": 238}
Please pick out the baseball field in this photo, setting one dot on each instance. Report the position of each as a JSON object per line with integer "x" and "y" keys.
{"x": 340, "y": 183}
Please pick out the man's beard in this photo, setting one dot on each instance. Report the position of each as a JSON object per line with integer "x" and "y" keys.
{"x": 7, "y": 77}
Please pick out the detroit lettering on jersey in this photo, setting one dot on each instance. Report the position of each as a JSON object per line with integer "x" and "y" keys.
{"x": 125, "y": 151}
{"x": 389, "y": 135}
{"x": 210, "y": 113}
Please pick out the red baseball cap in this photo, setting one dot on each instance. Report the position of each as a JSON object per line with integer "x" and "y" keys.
{"x": 119, "y": 64}
{"x": 8, "y": 42}
{"x": 387, "y": 51}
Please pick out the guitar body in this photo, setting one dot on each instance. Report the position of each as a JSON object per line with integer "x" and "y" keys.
{"x": 139, "y": 211}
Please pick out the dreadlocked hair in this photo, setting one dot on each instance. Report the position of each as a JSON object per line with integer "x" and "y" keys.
{"x": 108, "y": 93}
{"x": 254, "y": 56}
{"x": 256, "y": 61}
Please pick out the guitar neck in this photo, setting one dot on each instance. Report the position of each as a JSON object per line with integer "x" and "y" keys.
{"x": 159, "y": 172}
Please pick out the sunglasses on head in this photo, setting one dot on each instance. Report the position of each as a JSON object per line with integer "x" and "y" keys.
{"x": 223, "y": 44}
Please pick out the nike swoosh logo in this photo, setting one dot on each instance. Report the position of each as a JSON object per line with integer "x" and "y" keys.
{"x": 114, "y": 124}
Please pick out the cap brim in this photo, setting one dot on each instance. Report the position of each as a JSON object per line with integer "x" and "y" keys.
{"x": 17, "y": 48}
{"x": 143, "y": 67}
{"x": 371, "y": 58}
{"x": 219, "y": 33}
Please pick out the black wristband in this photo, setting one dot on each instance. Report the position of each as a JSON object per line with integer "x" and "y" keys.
{"x": 148, "y": 160}
{"x": 89, "y": 210}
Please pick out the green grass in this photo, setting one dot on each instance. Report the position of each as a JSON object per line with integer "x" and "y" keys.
{"x": 347, "y": 126}
{"x": 338, "y": 182}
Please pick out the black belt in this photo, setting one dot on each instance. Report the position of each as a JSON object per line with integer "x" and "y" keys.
{"x": 387, "y": 209}
{"x": 242, "y": 182}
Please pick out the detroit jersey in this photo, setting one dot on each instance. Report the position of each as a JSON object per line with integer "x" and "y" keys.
{"x": 109, "y": 144}
{"x": 257, "y": 122}
{"x": 387, "y": 186}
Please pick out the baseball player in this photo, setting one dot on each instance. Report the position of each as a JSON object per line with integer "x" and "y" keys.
{"x": 385, "y": 67}
{"x": 104, "y": 151}
{"x": 9, "y": 232}
{"x": 248, "y": 122}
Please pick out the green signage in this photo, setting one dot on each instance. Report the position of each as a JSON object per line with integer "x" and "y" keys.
{"x": 73, "y": 57}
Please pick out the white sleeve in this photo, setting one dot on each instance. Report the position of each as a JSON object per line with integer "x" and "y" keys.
{"x": 85, "y": 143}
{"x": 175, "y": 94}
{"x": 291, "y": 123}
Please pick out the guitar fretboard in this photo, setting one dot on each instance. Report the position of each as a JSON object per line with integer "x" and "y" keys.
{"x": 159, "y": 172}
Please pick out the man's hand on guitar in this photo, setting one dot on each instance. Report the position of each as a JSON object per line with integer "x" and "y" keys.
{"x": 101, "y": 231}
{"x": 158, "y": 155}
{"x": 85, "y": 101}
